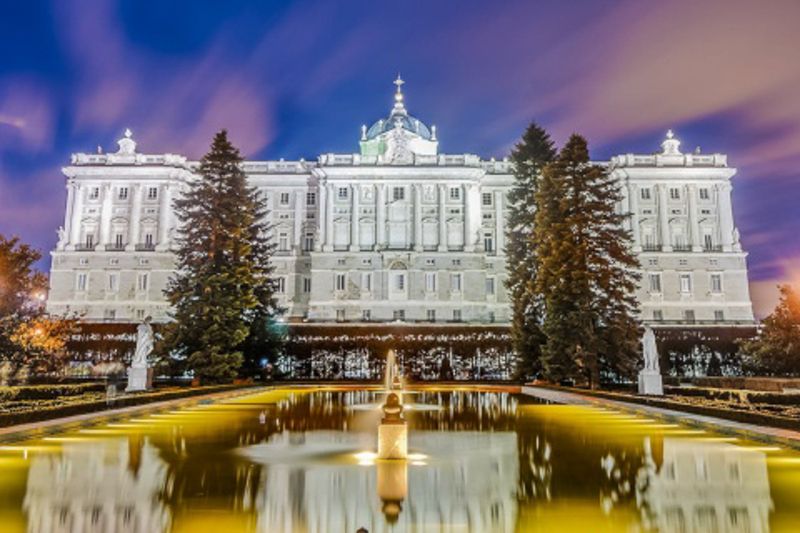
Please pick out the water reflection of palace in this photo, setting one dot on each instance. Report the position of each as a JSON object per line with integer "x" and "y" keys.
{"x": 468, "y": 483}
{"x": 103, "y": 486}
{"x": 704, "y": 485}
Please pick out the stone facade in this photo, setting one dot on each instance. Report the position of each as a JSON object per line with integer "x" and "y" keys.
{"x": 397, "y": 231}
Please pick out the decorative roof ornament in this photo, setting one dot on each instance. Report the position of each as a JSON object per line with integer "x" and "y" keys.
{"x": 127, "y": 146}
{"x": 671, "y": 145}
{"x": 363, "y": 132}
{"x": 399, "y": 106}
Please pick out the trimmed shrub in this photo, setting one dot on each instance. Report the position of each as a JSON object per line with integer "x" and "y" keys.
{"x": 48, "y": 392}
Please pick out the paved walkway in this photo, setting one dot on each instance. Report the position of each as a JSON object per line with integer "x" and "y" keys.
{"x": 784, "y": 437}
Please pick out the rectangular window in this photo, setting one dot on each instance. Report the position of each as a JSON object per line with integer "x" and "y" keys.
{"x": 675, "y": 193}
{"x": 119, "y": 240}
{"x": 456, "y": 262}
{"x": 688, "y": 315}
{"x": 486, "y": 198}
{"x": 152, "y": 193}
{"x": 658, "y": 314}
{"x": 455, "y": 193}
{"x": 686, "y": 283}
{"x": 280, "y": 286}
{"x": 90, "y": 240}
{"x": 123, "y": 193}
{"x": 716, "y": 283}
{"x": 284, "y": 198}
{"x": 655, "y": 282}
{"x": 311, "y": 198}
{"x": 489, "y": 286}
{"x": 340, "y": 315}
{"x": 704, "y": 194}
{"x": 455, "y": 282}
{"x": 719, "y": 315}
{"x": 645, "y": 193}
{"x": 306, "y": 285}
{"x": 81, "y": 281}
{"x": 342, "y": 193}
{"x": 366, "y": 282}
{"x": 94, "y": 193}
{"x": 430, "y": 262}
{"x": 430, "y": 315}
{"x": 366, "y": 315}
{"x": 400, "y": 282}
{"x": 308, "y": 242}
{"x": 341, "y": 282}
{"x": 283, "y": 242}
{"x": 488, "y": 242}
{"x": 398, "y": 193}
{"x": 457, "y": 315}
{"x": 399, "y": 314}
{"x": 113, "y": 282}
{"x": 430, "y": 281}
{"x": 148, "y": 239}
{"x": 140, "y": 314}
{"x": 491, "y": 316}
{"x": 708, "y": 241}
{"x": 110, "y": 314}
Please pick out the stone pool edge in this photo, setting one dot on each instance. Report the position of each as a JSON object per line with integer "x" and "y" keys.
{"x": 770, "y": 435}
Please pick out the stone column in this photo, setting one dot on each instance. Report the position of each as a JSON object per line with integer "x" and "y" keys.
{"x": 328, "y": 246}
{"x": 499, "y": 229}
{"x": 135, "y": 220}
{"x": 469, "y": 225}
{"x": 633, "y": 206}
{"x": 725, "y": 216}
{"x": 355, "y": 233}
{"x": 694, "y": 227}
{"x": 321, "y": 214}
{"x": 299, "y": 215}
{"x": 442, "y": 218}
{"x": 68, "y": 218}
{"x": 417, "y": 217}
{"x": 76, "y": 214}
{"x": 105, "y": 216}
{"x": 380, "y": 217}
{"x": 663, "y": 219}
{"x": 164, "y": 211}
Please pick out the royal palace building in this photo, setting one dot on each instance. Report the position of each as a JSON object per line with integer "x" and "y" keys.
{"x": 395, "y": 232}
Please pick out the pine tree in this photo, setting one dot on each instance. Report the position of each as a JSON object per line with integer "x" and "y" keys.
{"x": 222, "y": 293}
{"x": 586, "y": 271}
{"x": 776, "y": 350}
{"x": 529, "y": 156}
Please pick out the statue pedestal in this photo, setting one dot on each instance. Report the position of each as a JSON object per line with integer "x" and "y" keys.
{"x": 137, "y": 379}
{"x": 650, "y": 383}
{"x": 392, "y": 441}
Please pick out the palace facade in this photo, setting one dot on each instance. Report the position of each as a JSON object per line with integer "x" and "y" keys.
{"x": 395, "y": 232}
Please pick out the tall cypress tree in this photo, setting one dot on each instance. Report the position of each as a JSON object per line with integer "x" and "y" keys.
{"x": 587, "y": 273}
{"x": 222, "y": 293}
{"x": 529, "y": 157}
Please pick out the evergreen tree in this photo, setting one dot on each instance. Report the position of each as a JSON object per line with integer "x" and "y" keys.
{"x": 776, "y": 350}
{"x": 586, "y": 273}
{"x": 529, "y": 156}
{"x": 222, "y": 293}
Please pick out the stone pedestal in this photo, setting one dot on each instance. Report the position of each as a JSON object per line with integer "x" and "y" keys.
{"x": 392, "y": 441}
{"x": 137, "y": 379}
{"x": 650, "y": 383}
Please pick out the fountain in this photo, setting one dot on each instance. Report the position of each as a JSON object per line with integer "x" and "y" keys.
{"x": 392, "y": 431}
{"x": 391, "y": 379}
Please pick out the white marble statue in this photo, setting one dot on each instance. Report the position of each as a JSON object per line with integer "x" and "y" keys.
{"x": 137, "y": 372}
{"x": 650, "y": 381}
{"x": 650, "y": 350}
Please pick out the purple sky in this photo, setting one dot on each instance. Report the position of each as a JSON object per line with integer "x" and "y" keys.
{"x": 294, "y": 80}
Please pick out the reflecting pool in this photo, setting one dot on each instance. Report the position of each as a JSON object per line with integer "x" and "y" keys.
{"x": 479, "y": 460}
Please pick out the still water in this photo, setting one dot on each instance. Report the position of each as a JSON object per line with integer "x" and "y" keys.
{"x": 481, "y": 460}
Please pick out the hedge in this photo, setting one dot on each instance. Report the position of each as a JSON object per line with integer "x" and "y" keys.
{"x": 48, "y": 392}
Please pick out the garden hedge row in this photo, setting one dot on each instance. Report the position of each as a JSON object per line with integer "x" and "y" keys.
{"x": 737, "y": 396}
{"x": 41, "y": 413}
{"x": 48, "y": 392}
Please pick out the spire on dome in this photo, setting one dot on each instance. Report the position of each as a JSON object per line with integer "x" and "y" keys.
{"x": 399, "y": 106}
{"x": 671, "y": 145}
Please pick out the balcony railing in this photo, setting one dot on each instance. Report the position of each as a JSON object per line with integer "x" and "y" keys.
{"x": 682, "y": 247}
{"x": 84, "y": 247}
{"x": 115, "y": 247}
{"x": 147, "y": 247}
{"x": 651, "y": 247}
{"x": 713, "y": 248}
